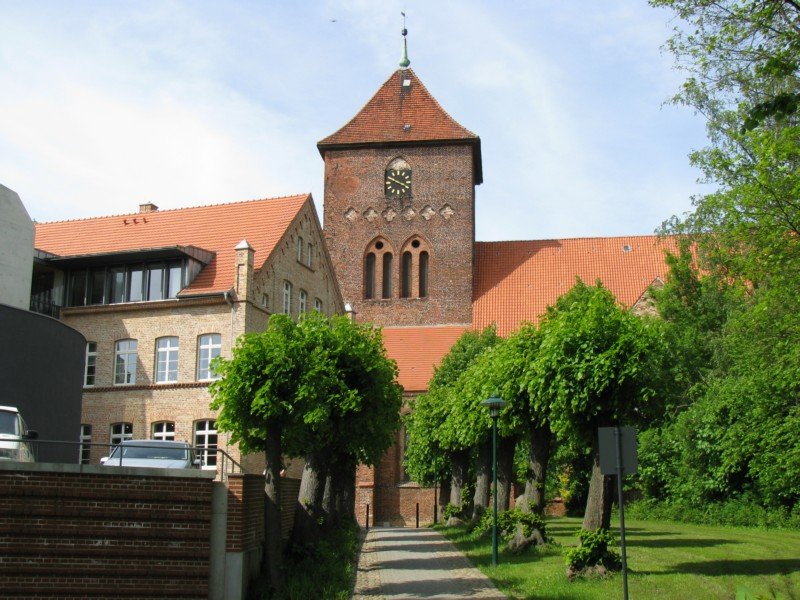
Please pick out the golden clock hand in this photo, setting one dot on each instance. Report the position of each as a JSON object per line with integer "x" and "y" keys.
{"x": 405, "y": 185}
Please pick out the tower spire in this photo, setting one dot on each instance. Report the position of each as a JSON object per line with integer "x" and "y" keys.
{"x": 404, "y": 62}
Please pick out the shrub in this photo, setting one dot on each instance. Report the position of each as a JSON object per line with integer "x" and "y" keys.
{"x": 733, "y": 512}
{"x": 507, "y": 521}
{"x": 451, "y": 510}
{"x": 593, "y": 555}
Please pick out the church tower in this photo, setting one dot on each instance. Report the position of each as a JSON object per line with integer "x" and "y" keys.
{"x": 399, "y": 215}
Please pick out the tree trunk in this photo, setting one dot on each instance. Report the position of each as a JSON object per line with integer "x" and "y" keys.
{"x": 534, "y": 498}
{"x": 483, "y": 480}
{"x": 443, "y": 497}
{"x": 458, "y": 469}
{"x": 272, "y": 508}
{"x": 598, "y": 504}
{"x": 505, "y": 471}
{"x": 345, "y": 494}
{"x": 309, "y": 501}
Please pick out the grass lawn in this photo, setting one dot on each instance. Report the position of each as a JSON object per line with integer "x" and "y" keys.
{"x": 665, "y": 560}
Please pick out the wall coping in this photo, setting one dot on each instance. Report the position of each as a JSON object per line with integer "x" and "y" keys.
{"x": 102, "y": 470}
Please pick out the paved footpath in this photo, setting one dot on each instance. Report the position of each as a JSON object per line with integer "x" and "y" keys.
{"x": 402, "y": 563}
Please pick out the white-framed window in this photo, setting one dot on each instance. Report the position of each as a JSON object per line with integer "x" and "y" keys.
{"x": 163, "y": 430}
{"x": 166, "y": 359}
{"x": 209, "y": 346}
{"x": 300, "y": 248}
{"x": 287, "y": 298}
{"x": 85, "y": 448}
{"x": 318, "y": 305}
{"x": 302, "y": 305}
{"x": 309, "y": 254}
{"x": 264, "y": 300}
{"x": 120, "y": 432}
{"x": 125, "y": 362}
{"x": 91, "y": 364}
{"x": 205, "y": 440}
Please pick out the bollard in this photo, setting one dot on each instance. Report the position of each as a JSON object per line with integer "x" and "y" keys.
{"x": 417, "y": 515}
{"x": 366, "y": 523}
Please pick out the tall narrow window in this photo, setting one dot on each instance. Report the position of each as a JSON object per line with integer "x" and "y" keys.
{"x": 405, "y": 276}
{"x": 387, "y": 275}
{"x": 300, "y": 248}
{"x": 208, "y": 348}
{"x": 135, "y": 284}
{"x": 97, "y": 285}
{"x": 166, "y": 359}
{"x": 120, "y": 432}
{"x": 91, "y": 363}
{"x": 318, "y": 305}
{"x": 205, "y": 440}
{"x": 310, "y": 254}
{"x": 77, "y": 288}
{"x": 163, "y": 430}
{"x": 125, "y": 362}
{"x": 369, "y": 276}
{"x": 85, "y": 449}
{"x": 155, "y": 282}
{"x": 302, "y": 305}
{"x": 287, "y": 298}
{"x": 423, "y": 274}
{"x": 175, "y": 271}
{"x": 117, "y": 284}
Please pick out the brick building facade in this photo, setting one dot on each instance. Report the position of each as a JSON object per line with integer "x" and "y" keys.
{"x": 158, "y": 294}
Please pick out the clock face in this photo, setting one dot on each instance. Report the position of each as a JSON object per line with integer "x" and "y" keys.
{"x": 398, "y": 183}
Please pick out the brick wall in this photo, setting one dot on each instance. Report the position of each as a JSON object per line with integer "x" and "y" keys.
{"x": 246, "y": 510}
{"x": 440, "y": 212}
{"x": 76, "y": 533}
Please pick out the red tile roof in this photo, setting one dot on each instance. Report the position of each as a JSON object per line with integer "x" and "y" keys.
{"x": 417, "y": 350}
{"x": 217, "y": 228}
{"x": 515, "y": 282}
{"x": 385, "y": 116}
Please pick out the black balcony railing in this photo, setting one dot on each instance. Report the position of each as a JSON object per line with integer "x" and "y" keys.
{"x": 45, "y": 306}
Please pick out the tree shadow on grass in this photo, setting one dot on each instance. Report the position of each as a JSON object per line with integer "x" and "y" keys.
{"x": 782, "y": 566}
{"x": 680, "y": 542}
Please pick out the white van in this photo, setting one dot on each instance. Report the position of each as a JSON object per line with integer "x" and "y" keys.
{"x": 14, "y": 436}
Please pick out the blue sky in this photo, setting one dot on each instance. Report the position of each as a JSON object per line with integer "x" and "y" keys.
{"x": 107, "y": 105}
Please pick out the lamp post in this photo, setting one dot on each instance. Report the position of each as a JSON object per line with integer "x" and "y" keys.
{"x": 495, "y": 404}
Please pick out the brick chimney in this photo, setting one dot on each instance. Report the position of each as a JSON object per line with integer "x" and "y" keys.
{"x": 244, "y": 270}
{"x": 147, "y": 207}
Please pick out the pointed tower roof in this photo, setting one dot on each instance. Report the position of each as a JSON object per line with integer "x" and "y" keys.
{"x": 403, "y": 112}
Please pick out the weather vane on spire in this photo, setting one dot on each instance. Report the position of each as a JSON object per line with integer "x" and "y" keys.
{"x": 404, "y": 62}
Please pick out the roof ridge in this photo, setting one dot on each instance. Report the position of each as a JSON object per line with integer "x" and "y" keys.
{"x": 586, "y": 237}
{"x": 302, "y": 196}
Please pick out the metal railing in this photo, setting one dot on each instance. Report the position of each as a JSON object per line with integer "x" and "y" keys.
{"x": 223, "y": 463}
{"x": 45, "y": 306}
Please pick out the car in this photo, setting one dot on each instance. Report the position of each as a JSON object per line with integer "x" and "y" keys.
{"x": 14, "y": 436}
{"x": 156, "y": 454}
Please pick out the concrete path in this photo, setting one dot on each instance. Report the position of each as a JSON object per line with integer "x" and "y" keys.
{"x": 400, "y": 563}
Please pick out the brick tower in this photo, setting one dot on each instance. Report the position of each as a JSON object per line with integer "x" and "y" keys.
{"x": 400, "y": 207}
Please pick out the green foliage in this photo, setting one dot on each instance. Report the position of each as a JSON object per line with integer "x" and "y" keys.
{"x": 594, "y": 550}
{"x": 451, "y": 510}
{"x": 596, "y": 364}
{"x": 323, "y": 382}
{"x": 738, "y": 513}
{"x": 324, "y": 570}
{"x": 507, "y": 522}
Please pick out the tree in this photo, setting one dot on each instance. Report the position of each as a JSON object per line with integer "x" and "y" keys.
{"x": 594, "y": 368}
{"x": 322, "y": 388}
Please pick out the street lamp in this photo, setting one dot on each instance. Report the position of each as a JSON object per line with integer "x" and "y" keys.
{"x": 495, "y": 404}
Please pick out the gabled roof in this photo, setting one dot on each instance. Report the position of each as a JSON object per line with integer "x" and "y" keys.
{"x": 418, "y": 350}
{"x": 515, "y": 282}
{"x": 216, "y": 229}
{"x": 403, "y": 112}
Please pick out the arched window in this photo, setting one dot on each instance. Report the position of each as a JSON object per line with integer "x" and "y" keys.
{"x": 423, "y": 274}
{"x": 387, "y": 275}
{"x": 405, "y": 275}
{"x": 415, "y": 268}
{"x": 369, "y": 276}
{"x": 378, "y": 265}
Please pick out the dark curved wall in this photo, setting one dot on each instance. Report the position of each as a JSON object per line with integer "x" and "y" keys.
{"x": 41, "y": 373}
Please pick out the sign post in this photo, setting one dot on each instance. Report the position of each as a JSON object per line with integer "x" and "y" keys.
{"x": 618, "y": 457}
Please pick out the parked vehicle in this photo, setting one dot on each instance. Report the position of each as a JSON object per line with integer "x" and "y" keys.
{"x": 157, "y": 454}
{"x": 14, "y": 436}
